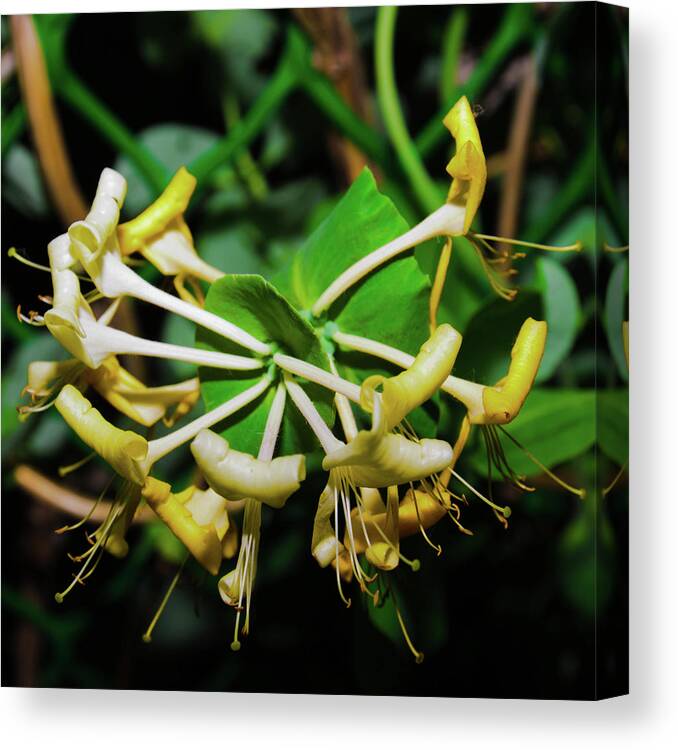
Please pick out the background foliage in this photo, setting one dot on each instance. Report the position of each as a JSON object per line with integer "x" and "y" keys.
{"x": 241, "y": 98}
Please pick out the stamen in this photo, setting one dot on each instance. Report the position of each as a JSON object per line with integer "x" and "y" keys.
{"x": 574, "y": 247}
{"x": 14, "y": 253}
{"x": 505, "y": 511}
{"x": 89, "y": 513}
{"x": 618, "y": 476}
{"x": 147, "y": 636}
{"x": 503, "y": 291}
{"x": 437, "y": 547}
{"x": 418, "y": 655}
{"x": 580, "y": 492}
{"x": 65, "y": 470}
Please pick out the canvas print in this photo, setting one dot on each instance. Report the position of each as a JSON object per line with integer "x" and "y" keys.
{"x": 315, "y": 350}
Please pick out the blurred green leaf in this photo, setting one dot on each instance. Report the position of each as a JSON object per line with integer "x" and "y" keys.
{"x": 257, "y": 307}
{"x": 230, "y": 248}
{"x": 613, "y": 424}
{"x": 22, "y": 183}
{"x": 240, "y": 38}
{"x": 173, "y": 145}
{"x": 586, "y": 559}
{"x": 591, "y": 227}
{"x": 53, "y": 30}
{"x": 42, "y": 347}
{"x": 560, "y": 303}
{"x": 554, "y": 424}
{"x": 615, "y": 315}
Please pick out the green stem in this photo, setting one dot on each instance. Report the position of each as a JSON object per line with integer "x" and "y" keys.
{"x": 246, "y": 166}
{"x": 12, "y": 126}
{"x": 278, "y": 88}
{"x": 426, "y": 191}
{"x": 516, "y": 25}
{"x": 453, "y": 42}
{"x": 75, "y": 93}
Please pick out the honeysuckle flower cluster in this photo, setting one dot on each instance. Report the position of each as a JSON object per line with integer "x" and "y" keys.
{"x": 384, "y": 483}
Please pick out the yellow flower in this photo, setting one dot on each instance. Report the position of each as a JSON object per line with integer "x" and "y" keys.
{"x": 503, "y": 401}
{"x": 162, "y": 236}
{"x": 124, "y": 450}
{"x": 197, "y": 518}
{"x": 240, "y": 476}
{"x": 419, "y": 382}
{"x": 379, "y": 458}
{"x": 467, "y": 167}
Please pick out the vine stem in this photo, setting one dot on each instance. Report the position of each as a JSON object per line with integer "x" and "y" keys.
{"x": 77, "y": 95}
{"x": 426, "y": 191}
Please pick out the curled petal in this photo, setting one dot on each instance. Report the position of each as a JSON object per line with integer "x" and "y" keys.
{"x": 415, "y": 385}
{"x": 467, "y": 167}
{"x": 132, "y": 398}
{"x": 378, "y": 458}
{"x": 161, "y": 235}
{"x": 44, "y": 376}
{"x": 202, "y": 540}
{"x": 90, "y": 236}
{"x": 124, "y": 450}
{"x": 503, "y": 401}
{"x": 172, "y": 203}
{"x": 239, "y": 475}
{"x": 325, "y": 546}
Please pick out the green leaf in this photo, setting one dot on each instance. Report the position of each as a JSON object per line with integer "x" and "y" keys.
{"x": 257, "y": 307}
{"x": 174, "y": 146}
{"x": 615, "y": 314}
{"x": 586, "y": 559}
{"x": 554, "y": 425}
{"x": 390, "y": 305}
{"x": 562, "y": 311}
{"x": 22, "y": 183}
{"x": 613, "y": 424}
{"x": 239, "y": 38}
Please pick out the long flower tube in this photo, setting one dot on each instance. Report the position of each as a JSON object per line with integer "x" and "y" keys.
{"x": 498, "y": 404}
{"x": 128, "y": 453}
{"x": 468, "y": 170}
{"x": 94, "y": 244}
{"x": 73, "y": 324}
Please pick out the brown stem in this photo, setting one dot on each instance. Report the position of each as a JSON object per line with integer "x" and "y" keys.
{"x": 44, "y": 121}
{"x": 337, "y": 55}
{"x": 515, "y": 154}
{"x": 68, "y": 501}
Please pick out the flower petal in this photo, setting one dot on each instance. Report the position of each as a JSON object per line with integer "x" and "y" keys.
{"x": 503, "y": 401}
{"x": 467, "y": 167}
{"x": 124, "y": 450}
{"x": 202, "y": 540}
{"x": 238, "y": 476}
{"x": 419, "y": 382}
